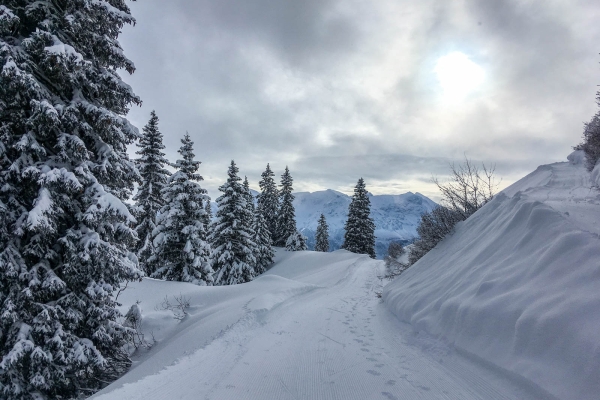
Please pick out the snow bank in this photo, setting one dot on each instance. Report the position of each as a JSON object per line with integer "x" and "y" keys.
{"x": 518, "y": 283}
{"x": 215, "y": 311}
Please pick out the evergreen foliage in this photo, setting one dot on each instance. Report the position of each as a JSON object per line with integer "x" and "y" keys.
{"x": 263, "y": 251}
{"x": 249, "y": 222}
{"x": 286, "y": 219}
{"x": 268, "y": 201}
{"x": 359, "y": 236}
{"x": 296, "y": 242}
{"x": 249, "y": 204}
{"x": 591, "y": 141}
{"x": 207, "y": 220}
{"x": 65, "y": 232}
{"x": 322, "y": 235}
{"x": 149, "y": 199}
{"x": 231, "y": 240}
{"x": 181, "y": 250}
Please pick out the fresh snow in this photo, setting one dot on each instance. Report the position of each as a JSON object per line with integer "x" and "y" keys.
{"x": 312, "y": 327}
{"x": 505, "y": 308}
{"x": 518, "y": 284}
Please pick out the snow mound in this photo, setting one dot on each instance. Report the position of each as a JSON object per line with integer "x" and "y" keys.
{"x": 518, "y": 284}
{"x": 268, "y": 301}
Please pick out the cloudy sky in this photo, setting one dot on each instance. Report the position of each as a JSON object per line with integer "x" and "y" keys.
{"x": 390, "y": 90}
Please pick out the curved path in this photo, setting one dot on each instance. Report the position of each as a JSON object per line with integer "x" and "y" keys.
{"x": 332, "y": 340}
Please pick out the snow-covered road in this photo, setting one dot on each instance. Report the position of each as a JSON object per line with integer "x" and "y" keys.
{"x": 319, "y": 332}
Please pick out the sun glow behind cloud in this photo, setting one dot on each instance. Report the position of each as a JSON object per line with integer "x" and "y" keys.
{"x": 458, "y": 75}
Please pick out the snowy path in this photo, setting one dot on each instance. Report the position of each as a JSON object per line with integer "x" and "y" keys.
{"x": 333, "y": 340}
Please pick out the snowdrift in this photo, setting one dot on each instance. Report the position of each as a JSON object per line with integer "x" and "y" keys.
{"x": 518, "y": 284}
{"x": 215, "y": 311}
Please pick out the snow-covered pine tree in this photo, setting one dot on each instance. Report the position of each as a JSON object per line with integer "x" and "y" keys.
{"x": 322, "y": 235}
{"x": 263, "y": 252}
{"x": 249, "y": 223}
{"x": 181, "y": 250}
{"x": 64, "y": 177}
{"x": 359, "y": 236}
{"x": 268, "y": 201}
{"x": 231, "y": 240}
{"x": 207, "y": 221}
{"x": 154, "y": 178}
{"x": 249, "y": 202}
{"x": 296, "y": 242}
{"x": 286, "y": 218}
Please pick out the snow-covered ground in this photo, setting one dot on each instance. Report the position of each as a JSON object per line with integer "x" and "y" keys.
{"x": 506, "y": 308}
{"x": 518, "y": 284}
{"x": 310, "y": 328}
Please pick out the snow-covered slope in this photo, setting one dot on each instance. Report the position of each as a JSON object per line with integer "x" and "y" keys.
{"x": 310, "y": 328}
{"x": 396, "y": 216}
{"x": 518, "y": 283}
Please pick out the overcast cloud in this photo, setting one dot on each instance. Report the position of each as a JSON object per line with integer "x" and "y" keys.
{"x": 342, "y": 89}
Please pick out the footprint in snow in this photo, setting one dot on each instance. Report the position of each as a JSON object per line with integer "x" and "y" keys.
{"x": 374, "y": 373}
{"x": 391, "y": 382}
{"x": 365, "y": 350}
{"x": 389, "y": 396}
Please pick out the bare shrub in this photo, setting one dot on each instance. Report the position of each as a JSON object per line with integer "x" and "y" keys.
{"x": 393, "y": 265}
{"x": 469, "y": 188}
{"x": 178, "y": 307}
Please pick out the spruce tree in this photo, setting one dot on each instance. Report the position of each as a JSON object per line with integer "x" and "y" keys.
{"x": 322, "y": 235}
{"x": 249, "y": 203}
{"x": 263, "y": 251}
{"x": 154, "y": 178}
{"x": 268, "y": 201}
{"x": 249, "y": 217}
{"x": 286, "y": 219}
{"x": 64, "y": 176}
{"x": 207, "y": 220}
{"x": 182, "y": 252}
{"x": 296, "y": 242}
{"x": 231, "y": 240}
{"x": 359, "y": 236}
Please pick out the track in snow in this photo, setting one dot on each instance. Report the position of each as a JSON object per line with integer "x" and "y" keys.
{"x": 333, "y": 340}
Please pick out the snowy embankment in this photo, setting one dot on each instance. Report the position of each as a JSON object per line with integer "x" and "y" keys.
{"x": 518, "y": 284}
{"x": 310, "y": 328}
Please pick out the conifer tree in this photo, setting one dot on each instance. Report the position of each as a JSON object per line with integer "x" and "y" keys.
{"x": 181, "y": 250}
{"x": 359, "y": 236}
{"x": 154, "y": 178}
{"x": 249, "y": 202}
{"x": 249, "y": 218}
{"x": 268, "y": 201}
{"x": 286, "y": 219}
{"x": 296, "y": 242}
{"x": 263, "y": 252}
{"x": 231, "y": 240}
{"x": 322, "y": 235}
{"x": 64, "y": 176}
{"x": 207, "y": 215}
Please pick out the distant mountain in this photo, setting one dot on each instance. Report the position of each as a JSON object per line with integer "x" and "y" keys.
{"x": 396, "y": 216}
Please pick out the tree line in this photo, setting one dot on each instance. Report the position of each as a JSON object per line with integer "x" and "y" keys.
{"x": 68, "y": 236}
{"x": 180, "y": 241}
